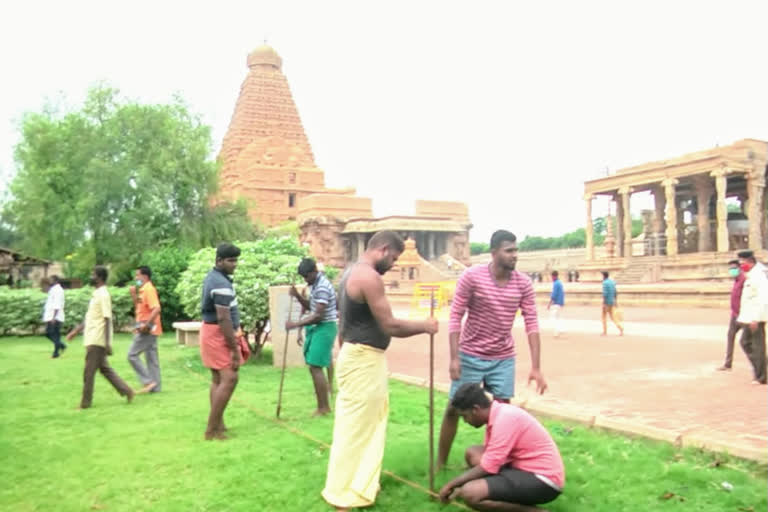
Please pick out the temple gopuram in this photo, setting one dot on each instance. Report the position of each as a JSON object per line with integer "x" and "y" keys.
{"x": 267, "y": 160}
{"x": 707, "y": 205}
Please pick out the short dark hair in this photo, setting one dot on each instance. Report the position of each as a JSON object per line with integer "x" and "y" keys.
{"x": 502, "y": 235}
{"x": 227, "y": 250}
{"x": 554, "y": 273}
{"x": 747, "y": 255}
{"x": 386, "y": 239}
{"x": 733, "y": 262}
{"x": 101, "y": 272}
{"x": 145, "y": 271}
{"x": 306, "y": 266}
{"x": 605, "y": 274}
{"x": 469, "y": 395}
{"x": 53, "y": 278}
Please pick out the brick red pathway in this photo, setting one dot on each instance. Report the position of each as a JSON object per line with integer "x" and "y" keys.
{"x": 666, "y": 381}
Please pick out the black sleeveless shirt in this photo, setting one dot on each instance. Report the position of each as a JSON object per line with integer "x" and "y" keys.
{"x": 358, "y": 325}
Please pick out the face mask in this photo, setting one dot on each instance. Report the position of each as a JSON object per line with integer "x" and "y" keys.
{"x": 746, "y": 267}
{"x": 139, "y": 282}
{"x": 734, "y": 272}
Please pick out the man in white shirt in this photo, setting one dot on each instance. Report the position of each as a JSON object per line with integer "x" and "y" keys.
{"x": 53, "y": 315}
{"x": 753, "y": 313}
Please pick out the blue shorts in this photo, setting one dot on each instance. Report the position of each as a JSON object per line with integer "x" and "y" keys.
{"x": 496, "y": 375}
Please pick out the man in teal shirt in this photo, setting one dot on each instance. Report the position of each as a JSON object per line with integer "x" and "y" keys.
{"x": 610, "y": 304}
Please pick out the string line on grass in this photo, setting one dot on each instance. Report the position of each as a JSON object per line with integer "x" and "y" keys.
{"x": 315, "y": 440}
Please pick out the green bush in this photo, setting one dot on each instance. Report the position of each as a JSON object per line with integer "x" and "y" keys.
{"x": 167, "y": 265}
{"x": 268, "y": 262}
{"x": 21, "y": 311}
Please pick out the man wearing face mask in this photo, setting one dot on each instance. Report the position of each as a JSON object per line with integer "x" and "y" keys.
{"x": 753, "y": 313}
{"x": 362, "y": 404}
{"x": 146, "y": 304}
{"x": 733, "y": 329}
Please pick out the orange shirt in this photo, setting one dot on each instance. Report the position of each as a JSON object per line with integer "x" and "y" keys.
{"x": 148, "y": 301}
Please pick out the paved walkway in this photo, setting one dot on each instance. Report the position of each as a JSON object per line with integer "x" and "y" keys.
{"x": 658, "y": 380}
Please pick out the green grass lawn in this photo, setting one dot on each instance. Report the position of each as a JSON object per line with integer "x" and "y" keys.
{"x": 150, "y": 455}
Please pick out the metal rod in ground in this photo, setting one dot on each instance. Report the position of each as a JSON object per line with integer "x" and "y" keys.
{"x": 432, "y": 397}
{"x": 285, "y": 356}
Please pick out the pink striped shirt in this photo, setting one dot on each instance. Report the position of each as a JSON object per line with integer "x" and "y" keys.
{"x": 487, "y": 333}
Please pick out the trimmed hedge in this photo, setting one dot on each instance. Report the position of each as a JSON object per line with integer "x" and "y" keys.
{"x": 21, "y": 311}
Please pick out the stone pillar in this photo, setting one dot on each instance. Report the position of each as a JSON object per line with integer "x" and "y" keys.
{"x": 721, "y": 186}
{"x": 703, "y": 186}
{"x": 431, "y": 246}
{"x": 589, "y": 229}
{"x": 619, "y": 226}
{"x": 671, "y": 215}
{"x": 625, "y": 193}
{"x": 360, "y": 244}
{"x": 658, "y": 218}
{"x": 281, "y": 305}
{"x": 755, "y": 187}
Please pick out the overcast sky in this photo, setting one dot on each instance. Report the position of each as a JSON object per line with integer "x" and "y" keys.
{"x": 508, "y": 106}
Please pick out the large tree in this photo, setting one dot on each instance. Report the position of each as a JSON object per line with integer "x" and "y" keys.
{"x": 114, "y": 178}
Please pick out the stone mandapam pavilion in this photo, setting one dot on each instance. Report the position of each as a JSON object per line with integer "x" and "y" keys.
{"x": 708, "y": 204}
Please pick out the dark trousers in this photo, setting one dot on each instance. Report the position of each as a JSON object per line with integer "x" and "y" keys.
{"x": 53, "y": 333}
{"x": 733, "y": 330}
{"x": 753, "y": 344}
{"x": 96, "y": 359}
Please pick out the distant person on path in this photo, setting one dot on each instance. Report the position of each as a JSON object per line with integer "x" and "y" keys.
{"x": 362, "y": 404}
{"x": 519, "y": 465}
{"x": 98, "y": 340}
{"x": 219, "y": 332}
{"x": 734, "y": 270}
{"x": 53, "y": 315}
{"x": 556, "y": 303}
{"x": 610, "y": 303}
{"x": 146, "y": 303}
{"x": 320, "y": 328}
{"x": 753, "y": 313}
{"x": 482, "y": 349}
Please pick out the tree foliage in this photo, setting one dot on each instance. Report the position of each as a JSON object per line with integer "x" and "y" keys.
{"x": 576, "y": 238}
{"x": 106, "y": 182}
{"x": 268, "y": 262}
{"x": 478, "y": 248}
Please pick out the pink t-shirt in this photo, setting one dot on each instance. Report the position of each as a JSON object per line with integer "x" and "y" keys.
{"x": 487, "y": 333}
{"x": 515, "y": 438}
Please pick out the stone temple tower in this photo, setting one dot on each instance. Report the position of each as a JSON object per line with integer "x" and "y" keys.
{"x": 265, "y": 156}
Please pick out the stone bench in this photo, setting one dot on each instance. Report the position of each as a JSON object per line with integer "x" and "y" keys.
{"x": 187, "y": 333}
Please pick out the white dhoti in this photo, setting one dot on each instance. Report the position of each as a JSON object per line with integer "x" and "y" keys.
{"x": 360, "y": 427}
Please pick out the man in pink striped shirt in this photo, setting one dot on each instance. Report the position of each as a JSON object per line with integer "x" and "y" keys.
{"x": 483, "y": 350}
{"x": 518, "y": 466}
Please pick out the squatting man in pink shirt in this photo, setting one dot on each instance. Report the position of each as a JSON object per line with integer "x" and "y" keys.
{"x": 482, "y": 349}
{"x": 518, "y": 466}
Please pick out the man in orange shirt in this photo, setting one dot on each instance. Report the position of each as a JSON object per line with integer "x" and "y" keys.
{"x": 148, "y": 328}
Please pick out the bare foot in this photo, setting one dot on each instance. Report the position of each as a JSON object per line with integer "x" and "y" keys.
{"x": 221, "y": 436}
{"x": 321, "y": 412}
{"x": 604, "y": 334}
{"x": 130, "y": 395}
{"x": 147, "y": 388}
{"x": 723, "y": 368}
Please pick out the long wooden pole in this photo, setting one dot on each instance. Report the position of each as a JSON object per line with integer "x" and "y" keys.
{"x": 432, "y": 397}
{"x": 285, "y": 356}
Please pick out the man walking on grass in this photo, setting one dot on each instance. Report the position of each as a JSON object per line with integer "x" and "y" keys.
{"x": 98, "y": 340}
{"x": 53, "y": 315}
{"x": 146, "y": 303}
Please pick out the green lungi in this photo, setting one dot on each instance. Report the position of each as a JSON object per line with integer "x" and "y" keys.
{"x": 318, "y": 344}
